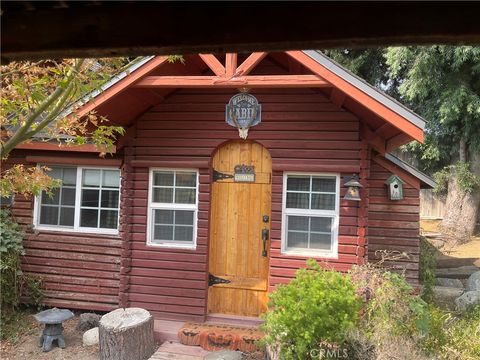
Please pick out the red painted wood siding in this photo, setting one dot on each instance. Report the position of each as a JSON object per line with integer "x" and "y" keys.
{"x": 393, "y": 225}
{"x": 78, "y": 270}
{"x": 303, "y": 132}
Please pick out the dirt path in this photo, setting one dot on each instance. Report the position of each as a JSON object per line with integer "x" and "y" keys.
{"x": 26, "y": 348}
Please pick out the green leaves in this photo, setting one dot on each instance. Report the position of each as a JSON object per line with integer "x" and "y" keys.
{"x": 317, "y": 305}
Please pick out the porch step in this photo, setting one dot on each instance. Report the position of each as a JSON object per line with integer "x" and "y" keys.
{"x": 174, "y": 350}
{"x": 166, "y": 330}
{"x": 233, "y": 320}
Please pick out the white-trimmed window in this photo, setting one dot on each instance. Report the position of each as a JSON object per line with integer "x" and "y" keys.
{"x": 310, "y": 214}
{"x": 173, "y": 208}
{"x": 87, "y": 200}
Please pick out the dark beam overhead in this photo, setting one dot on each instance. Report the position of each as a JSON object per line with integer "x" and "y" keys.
{"x": 35, "y": 29}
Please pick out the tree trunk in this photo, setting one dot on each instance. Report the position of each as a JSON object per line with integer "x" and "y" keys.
{"x": 126, "y": 334}
{"x": 460, "y": 218}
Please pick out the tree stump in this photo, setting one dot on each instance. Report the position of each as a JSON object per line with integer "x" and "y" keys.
{"x": 126, "y": 334}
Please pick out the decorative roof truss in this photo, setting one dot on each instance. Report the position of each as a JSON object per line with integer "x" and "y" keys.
{"x": 232, "y": 76}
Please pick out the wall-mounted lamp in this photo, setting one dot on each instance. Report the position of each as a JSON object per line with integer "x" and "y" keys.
{"x": 353, "y": 191}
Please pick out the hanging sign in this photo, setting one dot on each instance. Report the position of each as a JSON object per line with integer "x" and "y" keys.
{"x": 244, "y": 173}
{"x": 243, "y": 111}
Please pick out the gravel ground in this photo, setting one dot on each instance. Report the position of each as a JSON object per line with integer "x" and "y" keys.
{"x": 27, "y": 346}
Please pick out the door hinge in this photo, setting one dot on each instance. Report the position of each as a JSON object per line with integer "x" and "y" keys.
{"x": 217, "y": 175}
{"x": 213, "y": 280}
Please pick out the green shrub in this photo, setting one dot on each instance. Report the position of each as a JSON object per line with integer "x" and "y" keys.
{"x": 317, "y": 306}
{"x": 428, "y": 265}
{"x": 13, "y": 282}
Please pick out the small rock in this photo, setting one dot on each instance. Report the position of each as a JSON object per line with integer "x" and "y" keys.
{"x": 88, "y": 321}
{"x": 454, "y": 283}
{"x": 90, "y": 337}
{"x": 224, "y": 355}
{"x": 444, "y": 296}
{"x": 467, "y": 299}
{"x": 473, "y": 282}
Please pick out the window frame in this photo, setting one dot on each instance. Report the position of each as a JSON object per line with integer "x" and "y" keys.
{"x": 78, "y": 198}
{"x": 152, "y": 206}
{"x": 334, "y": 214}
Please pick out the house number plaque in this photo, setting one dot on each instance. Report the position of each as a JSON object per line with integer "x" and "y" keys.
{"x": 244, "y": 173}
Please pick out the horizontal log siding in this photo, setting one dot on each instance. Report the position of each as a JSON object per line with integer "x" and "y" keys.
{"x": 301, "y": 129}
{"x": 78, "y": 270}
{"x": 393, "y": 225}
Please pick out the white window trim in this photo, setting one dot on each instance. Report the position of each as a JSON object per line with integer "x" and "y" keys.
{"x": 78, "y": 193}
{"x": 335, "y": 214}
{"x": 171, "y": 206}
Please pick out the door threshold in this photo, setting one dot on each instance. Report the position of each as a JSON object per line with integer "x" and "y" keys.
{"x": 233, "y": 320}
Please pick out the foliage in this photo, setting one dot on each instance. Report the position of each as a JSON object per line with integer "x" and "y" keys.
{"x": 317, "y": 305}
{"x": 19, "y": 324}
{"x": 27, "y": 181}
{"x": 467, "y": 181}
{"x": 463, "y": 337}
{"x": 13, "y": 282}
{"x": 428, "y": 265}
{"x": 441, "y": 83}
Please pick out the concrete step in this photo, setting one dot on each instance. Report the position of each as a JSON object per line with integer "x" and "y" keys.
{"x": 453, "y": 262}
{"x": 461, "y": 272}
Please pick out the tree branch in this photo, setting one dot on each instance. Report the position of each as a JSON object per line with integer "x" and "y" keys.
{"x": 21, "y": 134}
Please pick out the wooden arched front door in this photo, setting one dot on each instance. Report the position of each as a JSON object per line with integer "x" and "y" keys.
{"x": 239, "y": 220}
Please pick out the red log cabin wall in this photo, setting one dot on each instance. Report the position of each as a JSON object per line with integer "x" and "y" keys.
{"x": 393, "y": 225}
{"x": 78, "y": 270}
{"x": 303, "y": 132}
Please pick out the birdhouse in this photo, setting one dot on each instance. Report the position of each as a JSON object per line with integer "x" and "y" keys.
{"x": 395, "y": 187}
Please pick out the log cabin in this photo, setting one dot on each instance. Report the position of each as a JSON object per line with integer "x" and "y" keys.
{"x": 188, "y": 220}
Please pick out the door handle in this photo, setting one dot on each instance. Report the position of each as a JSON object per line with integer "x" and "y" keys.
{"x": 265, "y": 234}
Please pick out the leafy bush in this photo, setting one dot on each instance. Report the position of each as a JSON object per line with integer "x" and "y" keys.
{"x": 13, "y": 282}
{"x": 428, "y": 265}
{"x": 316, "y": 306}
{"x": 468, "y": 182}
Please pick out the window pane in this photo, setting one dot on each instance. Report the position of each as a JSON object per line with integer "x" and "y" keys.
{"x": 68, "y": 196}
{"x": 163, "y": 178}
{"x": 89, "y": 218}
{"x": 183, "y": 233}
{"x": 323, "y": 184}
{"x": 54, "y": 198}
{"x": 111, "y": 178}
{"x": 49, "y": 215}
{"x": 298, "y": 200}
{"x": 186, "y": 179}
{"x": 55, "y": 172}
{"x": 184, "y": 196}
{"x": 90, "y": 198}
{"x": 163, "y": 232}
{"x": 163, "y": 216}
{"x": 108, "y": 219}
{"x": 91, "y": 177}
{"x": 67, "y": 216}
{"x": 320, "y": 241}
{"x": 163, "y": 195}
{"x": 297, "y": 240}
{"x": 320, "y": 224}
{"x": 109, "y": 199}
{"x": 297, "y": 223}
{"x": 298, "y": 183}
{"x": 323, "y": 201}
{"x": 69, "y": 176}
{"x": 184, "y": 217}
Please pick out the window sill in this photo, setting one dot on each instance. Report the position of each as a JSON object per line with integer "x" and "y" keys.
{"x": 311, "y": 254}
{"x": 173, "y": 246}
{"x": 88, "y": 231}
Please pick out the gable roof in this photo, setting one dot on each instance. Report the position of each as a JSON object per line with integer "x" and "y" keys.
{"x": 426, "y": 180}
{"x": 364, "y": 86}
